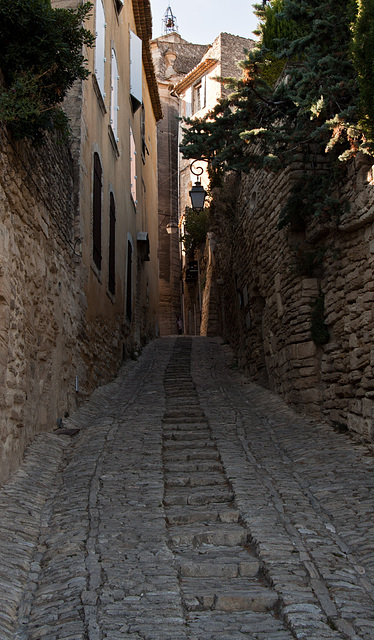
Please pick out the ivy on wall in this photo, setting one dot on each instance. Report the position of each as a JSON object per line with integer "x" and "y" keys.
{"x": 40, "y": 59}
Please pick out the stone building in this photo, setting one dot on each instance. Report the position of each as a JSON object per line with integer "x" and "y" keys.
{"x": 78, "y": 236}
{"x": 198, "y": 92}
{"x": 187, "y": 76}
{"x": 115, "y": 153}
{"x": 173, "y": 58}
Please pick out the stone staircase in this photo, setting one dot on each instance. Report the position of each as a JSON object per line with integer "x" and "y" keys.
{"x": 223, "y": 592}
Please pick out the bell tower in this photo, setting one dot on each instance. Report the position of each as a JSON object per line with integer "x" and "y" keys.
{"x": 169, "y": 22}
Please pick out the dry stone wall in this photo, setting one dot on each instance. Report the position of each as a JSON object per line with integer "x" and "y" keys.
{"x": 51, "y": 355}
{"x": 269, "y": 289}
{"x": 37, "y": 295}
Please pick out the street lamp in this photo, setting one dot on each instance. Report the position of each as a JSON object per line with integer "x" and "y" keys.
{"x": 172, "y": 228}
{"x": 197, "y": 193}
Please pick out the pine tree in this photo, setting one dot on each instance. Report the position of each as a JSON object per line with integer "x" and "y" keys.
{"x": 310, "y": 107}
{"x": 363, "y": 58}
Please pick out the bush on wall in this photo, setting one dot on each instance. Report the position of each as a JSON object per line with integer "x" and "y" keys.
{"x": 40, "y": 58}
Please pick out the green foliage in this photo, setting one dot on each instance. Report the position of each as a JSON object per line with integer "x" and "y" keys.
{"x": 319, "y": 330}
{"x": 298, "y": 100}
{"x": 196, "y": 226}
{"x": 274, "y": 26}
{"x": 363, "y": 58}
{"x": 40, "y": 58}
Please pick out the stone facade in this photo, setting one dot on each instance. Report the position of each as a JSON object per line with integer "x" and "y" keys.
{"x": 266, "y": 291}
{"x": 182, "y": 69}
{"x": 199, "y": 91}
{"x": 41, "y": 304}
{"x": 68, "y": 321}
{"x": 173, "y": 57}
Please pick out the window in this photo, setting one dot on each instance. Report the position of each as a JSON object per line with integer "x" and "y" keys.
{"x": 129, "y": 282}
{"x": 135, "y": 71}
{"x": 100, "y": 46}
{"x": 96, "y": 226}
{"x": 114, "y": 95}
{"x": 133, "y": 176}
{"x": 119, "y": 5}
{"x": 112, "y": 245}
{"x": 199, "y": 95}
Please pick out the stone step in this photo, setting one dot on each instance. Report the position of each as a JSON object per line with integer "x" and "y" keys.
{"x": 218, "y": 563}
{"x": 197, "y": 479}
{"x": 181, "y": 454}
{"x": 172, "y": 386}
{"x": 181, "y": 413}
{"x": 187, "y": 435}
{"x": 183, "y": 426}
{"x": 212, "y": 513}
{"x": 185, "y": 419}
{"x": 216, "y": 534}
{"x": 242, "y": 625}
{"x": 190, "y": 467}
{"x": 237, "y": 594}
{"x": 197, "y": 498}
{"x": 189, "y": 446}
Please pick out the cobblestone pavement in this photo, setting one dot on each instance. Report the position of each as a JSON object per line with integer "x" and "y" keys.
{"x": 191, "y": 505}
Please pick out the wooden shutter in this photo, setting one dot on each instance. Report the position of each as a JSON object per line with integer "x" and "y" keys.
{"x": 96, "y": 228}
{"x": 112, "y": 246}
{"x": 136, "y": 82}
{"x": 188, "y": 102}
{"x": 100, "y": 46}
{"x": 114, "y": 96}
{"x": 129, "y": 282}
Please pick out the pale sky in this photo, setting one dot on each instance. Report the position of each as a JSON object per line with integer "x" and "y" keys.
{"x": 201, "y": 21}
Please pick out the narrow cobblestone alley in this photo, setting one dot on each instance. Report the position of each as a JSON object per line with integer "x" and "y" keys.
{"x": 190, "y": 505}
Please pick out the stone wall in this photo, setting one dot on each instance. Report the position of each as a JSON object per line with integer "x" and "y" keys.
{"x": 38, "y": 295}
{"x": 267, "y": 289}
{"x": 52, "y": 352}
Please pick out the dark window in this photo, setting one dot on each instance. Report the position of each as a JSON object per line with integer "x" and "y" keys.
{"x": 97, "y": 184}
{"x": 129, "y": 280}
{"x": 112, "y": 245}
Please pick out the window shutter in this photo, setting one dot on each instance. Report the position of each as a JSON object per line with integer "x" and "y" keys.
{"x": 129, "y": 282}
{"x": 100, "y": 46}
{"x": 114, "y": 95}
{"x": 112, "y": 245}
{"x": 133, "y": 178}
{"x": 135, "y": 70}
{"x": 96, "y": 229}
{"x": 203, "y": 92}
{"x": 188, "y": 101}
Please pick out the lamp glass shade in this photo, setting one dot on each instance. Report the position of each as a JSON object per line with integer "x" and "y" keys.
{"x": 197, "y": 195}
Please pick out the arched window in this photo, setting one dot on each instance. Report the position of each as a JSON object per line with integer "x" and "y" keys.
{"x": 112, "y": 245}
{"x": 96, "y": 217}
